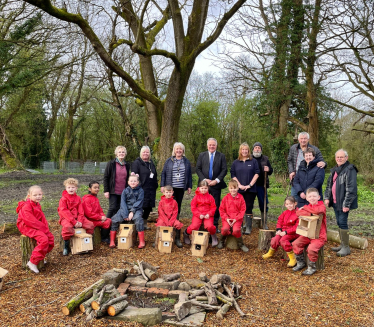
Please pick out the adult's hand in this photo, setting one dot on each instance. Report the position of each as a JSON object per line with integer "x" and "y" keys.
{"x": 292, "y": 175}
{"x": 321, "y": 164}
{"x": 106, "y": 194}
{"x": 266, "y": 168}
{"x": 162, "y": 189}
{"x": 189, "y": 190}
{"x": 212, "y": 183}
{"x": 345, "y": 209}
{"x": 302, "y": 195}
{"x": 327, "y": 203}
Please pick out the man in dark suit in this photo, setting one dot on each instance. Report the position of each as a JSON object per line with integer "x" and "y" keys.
{"x": 212, "y": 167}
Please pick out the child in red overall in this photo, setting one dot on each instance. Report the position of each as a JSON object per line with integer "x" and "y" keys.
{"x": 232, "y": 210}
{"x": 286, "y": 232}
{"x": 71, "y": 213}
{"x": 315, "y": 207}
{"x": 94, "y": 212}
{"x": 203, "y": 208}
{"x": 168, "y": 212}
{"x": 32, "y": 223}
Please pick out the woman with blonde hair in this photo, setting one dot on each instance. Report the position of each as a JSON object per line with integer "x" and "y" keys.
{"x": 245, "y": 171}
{"x": 116, "y": 175}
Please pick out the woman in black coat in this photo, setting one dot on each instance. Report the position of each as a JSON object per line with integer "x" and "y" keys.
{"x": 146, "y": 169}
{"x": 116, "y": 175}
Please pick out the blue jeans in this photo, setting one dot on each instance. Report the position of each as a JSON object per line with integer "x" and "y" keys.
{"x": 300, "y": 201}
{"x": 341, "y": 218}
{"x": 260, "y": 198}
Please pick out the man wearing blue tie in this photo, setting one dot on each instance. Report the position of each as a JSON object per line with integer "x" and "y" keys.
{"x": 211, "y": 166}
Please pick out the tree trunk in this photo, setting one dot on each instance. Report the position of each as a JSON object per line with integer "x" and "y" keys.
{"x": 6, "y": 151}
{"x": 264, "y": 238}
{"x": 354, "y": 241}
{"x": 69, "y": 307}
{"x": 96, "y": 239}
{"x": 27, "y": 246}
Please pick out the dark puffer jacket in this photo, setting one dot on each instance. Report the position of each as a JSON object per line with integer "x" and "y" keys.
{"x": 167, "y": 173}
{"x": 307, "y": 177}
{"x": 346, "y": 186}
{"x": 110, "y": 176}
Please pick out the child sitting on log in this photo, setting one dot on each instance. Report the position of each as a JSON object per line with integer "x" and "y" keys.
{"x": 314, "y": 207}
{"x": 71, "y": 213}
{"x": 168, "y": 212}
{"x": 286, "y": 232}
{"x": 203, "y": 208}
{"x": 232, "y": 210}
{"x": 131, "y": 209}
{"x": 32, "y": 223}
{"x": 94, "y": 212}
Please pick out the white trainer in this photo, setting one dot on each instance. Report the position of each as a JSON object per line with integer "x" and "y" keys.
{"x": 33, "y": 267}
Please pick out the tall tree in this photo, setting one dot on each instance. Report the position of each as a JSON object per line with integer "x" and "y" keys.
{"x": 189, "y": 25}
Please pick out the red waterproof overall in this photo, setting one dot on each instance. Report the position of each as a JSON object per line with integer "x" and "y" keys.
{"x": 93, "y": 211}
{"x": 232, "y": 208}
{"x": 168, "y": 213}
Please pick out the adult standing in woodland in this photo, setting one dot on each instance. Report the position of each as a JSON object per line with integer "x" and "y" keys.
{"x": 146, "y": 169}
{"x": 265, "y": 166}
{"x": 245, "y": 170}
{"x": 116, "y": 175}
{"x": 341, "y": 194}
{"x": 177, "y": 173}
{"x": 295, "y": 157}
{"x": 309, "y": 175}
{"x": 211, "y": 166}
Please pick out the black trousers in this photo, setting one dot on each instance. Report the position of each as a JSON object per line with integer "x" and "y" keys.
{"x": 114, "y": 204}
{"x": 217, "y": 199}
{"x": 146, "y": 212}
{"x": 249, "y": 198}
{"x": 178, "y": 196}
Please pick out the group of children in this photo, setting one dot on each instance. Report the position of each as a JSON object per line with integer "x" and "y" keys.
{"x": 87, "y": 213}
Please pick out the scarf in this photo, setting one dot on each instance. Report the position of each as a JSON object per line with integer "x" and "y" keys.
{"x": 122, "y": 164}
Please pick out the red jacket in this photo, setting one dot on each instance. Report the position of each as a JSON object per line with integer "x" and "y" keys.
{"x": 316, "y": 209}
{"x": 91, "y": 207}
{"x": 70, "y": 208}
{"x": 288, "y": 221}
{"x": 203, "y": 204}
{"x": 167, "y": 212}
{"x": 232, "y": 208}
{"x": 31, "y": 216}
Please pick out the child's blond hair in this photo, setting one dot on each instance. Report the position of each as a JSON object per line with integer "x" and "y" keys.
{"x": 311, "y": 190}
{"x": 234, "y": 182}
{"x": 71, "y": 181}
{"x": 168, "y": 188}
{"x": 31, "y": 188}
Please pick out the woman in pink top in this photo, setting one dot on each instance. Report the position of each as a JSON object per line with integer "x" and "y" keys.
{"x": 116, "y": 175}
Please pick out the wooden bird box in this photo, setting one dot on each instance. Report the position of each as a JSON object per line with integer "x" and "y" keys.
{"x": 200, "y": 241}
{"x": 81, "y": 241}
{"x": 309, "y": 226}
{"x": 125, "y": 236}
{"x": 3, "y": 272}
{"x": 164, "y": 239}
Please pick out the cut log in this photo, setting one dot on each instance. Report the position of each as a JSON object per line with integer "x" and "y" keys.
{"x": 152, "y": 275}
{"x": 10, "y": 228}
{"x": 232, "y": 243}
{"x": 211, "y": 294}
{"x": 354, "y": 241}
{"x": 256, "y": 222}
{"x": 104, "y": 307}
{"x": 171, "y": 277}
{"x": 201, "y": 298}
{"x": 81, "y": 297}
{"x": 149, "y": 266}
{"x": 320, "y": 263}
{"x": 96, "y": 240}
{"x": 116, "y": 308}
{"x": 221, "y": 312}
{"x": 264, "y": 239}
{"x": 85, "y": 306}
{"x": 108, "y": 293}
{"x": 27, "y": 246}
{"x": 221, "y": 279}
{"x": 203, "y": 277}
{"x": 135, "y": 270}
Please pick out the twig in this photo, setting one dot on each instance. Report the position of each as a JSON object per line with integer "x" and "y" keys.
{"x": 142, "y": 270}
{"x": 16, "y": 281}
{"x": 34, "y": 306}
{"x": 10, "y": 288}
{"x": 206, "y": 306}
{"x": 236, "y": 305}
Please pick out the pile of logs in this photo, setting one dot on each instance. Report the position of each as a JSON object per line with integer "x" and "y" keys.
{"x": 217, "y": 293}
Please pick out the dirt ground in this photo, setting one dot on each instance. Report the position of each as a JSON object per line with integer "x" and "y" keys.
{"x": 340, "y": 295}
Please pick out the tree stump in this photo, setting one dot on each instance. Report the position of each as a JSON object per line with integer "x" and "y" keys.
{"x": 232, "y": 243}
{"x": 320, "y": 264}
{"x": 27, "y": 246}
{"x": 96, "y": 239}
{"x": 264, "y": 238}
{"x": 256, "y": 222}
